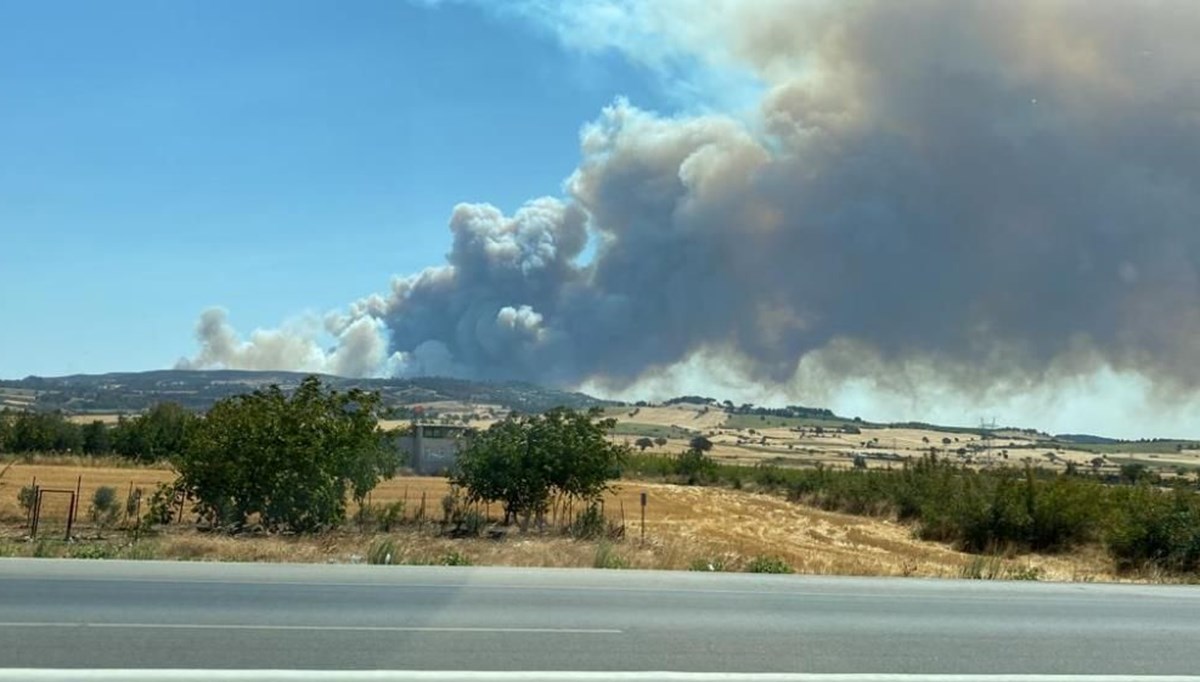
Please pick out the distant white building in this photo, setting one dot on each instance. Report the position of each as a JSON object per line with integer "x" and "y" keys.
{"x": 433, "y": 448}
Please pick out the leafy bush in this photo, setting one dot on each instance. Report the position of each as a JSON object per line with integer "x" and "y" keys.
{"x": 768, "y": 564}
{"x": 1156, "y": 529}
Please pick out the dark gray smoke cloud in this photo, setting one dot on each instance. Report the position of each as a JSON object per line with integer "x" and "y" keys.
{"x": 992, "y": 191}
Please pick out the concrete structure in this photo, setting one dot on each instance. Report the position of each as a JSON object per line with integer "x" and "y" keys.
{"x": 433, "y": 448}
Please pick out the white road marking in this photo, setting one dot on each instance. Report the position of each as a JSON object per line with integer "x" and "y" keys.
{"x": 43, "y": 675}
{"x": 313, "y": 628}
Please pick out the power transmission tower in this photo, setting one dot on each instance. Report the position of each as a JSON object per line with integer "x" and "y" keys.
{"x": 985, "y": 432}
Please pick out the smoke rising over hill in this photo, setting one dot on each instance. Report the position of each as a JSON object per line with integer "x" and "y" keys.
{"x": 986, "y": 192}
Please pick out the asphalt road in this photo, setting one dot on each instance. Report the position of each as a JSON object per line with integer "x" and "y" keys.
{"x": 111, "y": 614}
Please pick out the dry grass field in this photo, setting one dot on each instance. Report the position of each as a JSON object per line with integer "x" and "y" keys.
{"x": 686, "y": 527}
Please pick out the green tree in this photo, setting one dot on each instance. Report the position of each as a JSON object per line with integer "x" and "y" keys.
{"x": 700, "y": 443}
{"x": 6, "y": 427}
{"x": 643, "y": 443}
{"x": 1135, "y": 472}
{"x": 160, "y": 433}
{"x": 287, "y": 460}
{"x": 44, "y": 432}
{"x": 660, "y": 441}
{"x": 696, "y": 467}
{"x": 523, "y": 461}
{"x": 96, "y": 440}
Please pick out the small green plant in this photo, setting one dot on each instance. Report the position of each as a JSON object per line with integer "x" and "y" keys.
{"x": 471, "y": 523}
{"x": 104, "y": 509}
{"x": 588, "y": 524}
{"x": 133, "y": 503}
{"x": 162, "y": 505}
{"x": 386, "y": 517}
{"x": 710, "y": 564}
{"x": 383, "y": 552}
{"x": 768, "y": 564}
{"x": 450, "y": 505}
{"x": 26, "y": 497}
{"x": 607, "y": 556}
{"x": 42, "y": 549}
{"x": 453, "y": 559}
{"x": 92, "y": 551}
{"x": 983, "y": 568}
{"x": 140, "y": 551}
{"x": 1025, "y": 573}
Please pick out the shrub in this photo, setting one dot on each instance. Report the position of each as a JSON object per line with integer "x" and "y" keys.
{"x": 133, "y": 502}
{"x": 768, "y": 564}
{"x": 450, "y": 505}
{"x": 588, "y": 524}
{"x": 162, "y": 505}
{"x": 470, "y": 523}
{"x": 1156, "y": 529}
{"x": 696, "y": 467}
{"x": 390, "y": 515}
{"x": 26, "y": 497}
{"x": 104, "y": 505}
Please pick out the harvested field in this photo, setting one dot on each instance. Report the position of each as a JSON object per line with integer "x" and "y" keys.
{"x": 800, "y": 442}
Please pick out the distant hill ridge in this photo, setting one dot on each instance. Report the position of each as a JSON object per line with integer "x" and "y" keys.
{"x": 199, "y": 389}
{"x": 131, "y": 392}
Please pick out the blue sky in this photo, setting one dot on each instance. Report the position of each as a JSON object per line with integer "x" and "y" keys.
{"x": 274, "y": 158}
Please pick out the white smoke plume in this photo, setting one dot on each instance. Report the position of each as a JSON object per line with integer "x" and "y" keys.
{"x": 977, "y": 195}
{"x": 361, "y": 348}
